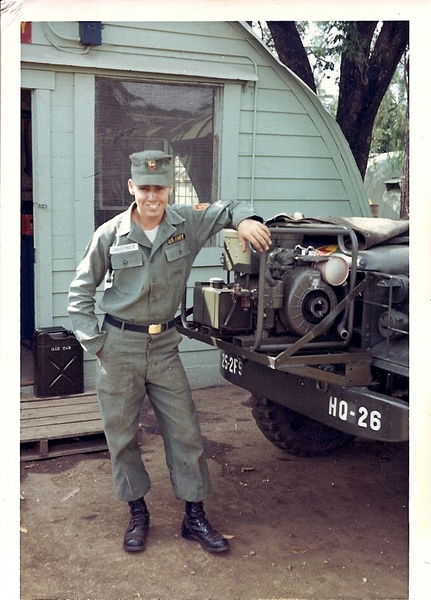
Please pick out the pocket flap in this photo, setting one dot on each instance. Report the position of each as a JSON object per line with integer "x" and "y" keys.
{"x": 126, "y": 259}
{"x": 177, "y": 250}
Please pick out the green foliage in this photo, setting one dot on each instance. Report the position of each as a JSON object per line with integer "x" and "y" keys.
{"x": 390, "y": 124}
{"x": 389, "y": 127}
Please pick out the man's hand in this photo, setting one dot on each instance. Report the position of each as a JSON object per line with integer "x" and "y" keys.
{"x": 254, "y": 232}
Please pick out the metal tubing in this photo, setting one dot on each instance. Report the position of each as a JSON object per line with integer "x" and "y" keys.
{"x": 260, "y": 301}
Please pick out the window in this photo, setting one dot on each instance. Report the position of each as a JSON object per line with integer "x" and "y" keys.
{"x": 132, "y": 116}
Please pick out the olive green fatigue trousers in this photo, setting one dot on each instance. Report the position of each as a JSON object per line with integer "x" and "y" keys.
{"x": 131, "y": 364}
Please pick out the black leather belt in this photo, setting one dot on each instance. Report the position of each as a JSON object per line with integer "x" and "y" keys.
{"x": 151, "y": 329}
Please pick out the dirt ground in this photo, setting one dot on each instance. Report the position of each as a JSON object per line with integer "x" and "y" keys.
{"x": 312, "y": 528}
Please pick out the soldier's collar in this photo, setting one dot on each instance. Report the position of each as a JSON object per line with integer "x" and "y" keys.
{"x": 125, "y": 226}
{"x": 172, "y": 216}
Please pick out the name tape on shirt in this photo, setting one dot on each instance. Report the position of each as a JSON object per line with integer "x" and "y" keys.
{"x": 121, "y": 249}
{"x": 176, "y": 238}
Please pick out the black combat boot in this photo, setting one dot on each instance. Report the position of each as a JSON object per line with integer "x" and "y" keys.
{"x": 196, "y": 527}
{"x": 135, "y": 538}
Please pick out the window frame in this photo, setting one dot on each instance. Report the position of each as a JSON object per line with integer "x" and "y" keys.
{"x": 217, "y": 94}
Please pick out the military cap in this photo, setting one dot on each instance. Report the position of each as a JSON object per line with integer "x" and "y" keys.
{"x": 151, "y": 167}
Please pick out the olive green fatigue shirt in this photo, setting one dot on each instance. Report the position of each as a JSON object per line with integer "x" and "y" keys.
{"x": 148, "y": 279}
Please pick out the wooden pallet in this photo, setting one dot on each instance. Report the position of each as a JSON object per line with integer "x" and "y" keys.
{"x": 60, "y": 426}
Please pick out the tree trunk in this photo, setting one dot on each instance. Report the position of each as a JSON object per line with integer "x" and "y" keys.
{"x": 365, "y": 73}
{"x": 405, "y": 180}
{"x": 364, "y": 79}
{"x": 291, "y": 51}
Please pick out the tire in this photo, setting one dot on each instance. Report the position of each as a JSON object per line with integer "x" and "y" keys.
{"x": 294, "y": 433}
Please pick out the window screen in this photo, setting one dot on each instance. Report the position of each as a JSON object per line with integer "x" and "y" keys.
{"x": 132, "y": 116}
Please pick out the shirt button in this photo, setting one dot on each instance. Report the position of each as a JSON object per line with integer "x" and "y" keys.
{"x": 125, "y": 262}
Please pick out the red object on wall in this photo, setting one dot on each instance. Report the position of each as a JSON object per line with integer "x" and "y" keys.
{"x": 27, "y": 224}
{"x": 26, "y": 32}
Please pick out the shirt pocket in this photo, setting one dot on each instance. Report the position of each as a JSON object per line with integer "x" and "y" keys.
{"x": 178, "y": 258}
{"x": 128, "y": 271}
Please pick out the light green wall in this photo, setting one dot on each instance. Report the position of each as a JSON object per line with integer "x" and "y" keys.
{"x": 279, "y": 148}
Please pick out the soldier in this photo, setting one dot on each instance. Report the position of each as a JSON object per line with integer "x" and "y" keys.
{"x": 148, "y": 252}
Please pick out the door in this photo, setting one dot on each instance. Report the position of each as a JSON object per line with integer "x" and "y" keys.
{"x": 27, "y": 243}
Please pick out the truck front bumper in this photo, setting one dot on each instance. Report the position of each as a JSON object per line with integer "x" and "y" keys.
{"x": 357, "y": 411}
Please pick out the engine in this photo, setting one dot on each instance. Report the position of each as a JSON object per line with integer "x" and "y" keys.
{"x": 301, "y": 286}
{"x": 311, "y": 284}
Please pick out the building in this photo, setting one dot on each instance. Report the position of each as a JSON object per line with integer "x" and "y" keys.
{"x": 239, "y": 123}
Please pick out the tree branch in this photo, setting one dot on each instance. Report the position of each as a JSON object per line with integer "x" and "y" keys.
{"x": 291, "y": 51}
{"x": 364, "y": 81}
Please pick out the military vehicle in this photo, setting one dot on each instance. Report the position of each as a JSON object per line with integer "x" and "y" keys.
{"x": 316, "y": 328}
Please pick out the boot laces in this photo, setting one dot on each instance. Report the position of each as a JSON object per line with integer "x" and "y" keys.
{"x": 196, "y": 515}
{"x": 138, "y": 512}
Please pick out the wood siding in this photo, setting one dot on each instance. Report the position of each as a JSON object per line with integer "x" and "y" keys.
{"x": 279, "y": 148}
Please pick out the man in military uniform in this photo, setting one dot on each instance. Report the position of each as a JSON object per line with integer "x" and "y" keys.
{"x": 146, "y": 253}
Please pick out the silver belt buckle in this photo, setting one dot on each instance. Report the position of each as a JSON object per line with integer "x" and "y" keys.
{"x": 153, "y": 329}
